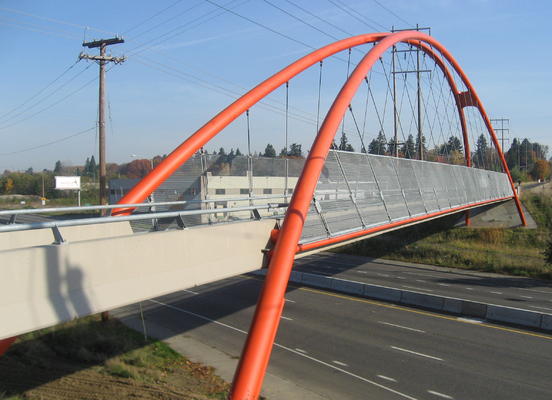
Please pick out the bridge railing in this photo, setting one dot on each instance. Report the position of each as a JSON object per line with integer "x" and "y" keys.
{"x": 360, "y": 191}
{"x": 254, "y": 212}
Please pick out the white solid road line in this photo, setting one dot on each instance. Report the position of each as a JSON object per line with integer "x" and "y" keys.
{"x": 387, "y": 378}
{"x": 340, "y": 363}
{"x": 402, "y": 327}
{"x": 418, "y": 354}
{"x": 300, "y": 353}
{"x": 444, "y": 396}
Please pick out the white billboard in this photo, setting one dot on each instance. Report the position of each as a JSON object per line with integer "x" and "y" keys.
{"x": 68, "y": 182}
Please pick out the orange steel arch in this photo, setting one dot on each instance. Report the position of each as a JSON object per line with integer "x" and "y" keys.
{"x": 255, "y": 355}
{"x": 256, "y": 352}
{"x": 252, "y": 365}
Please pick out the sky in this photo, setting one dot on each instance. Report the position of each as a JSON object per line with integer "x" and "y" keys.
{"x": 187, "y": 60}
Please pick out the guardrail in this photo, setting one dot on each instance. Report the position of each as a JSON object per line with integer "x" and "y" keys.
{"x": 12, "y": 226}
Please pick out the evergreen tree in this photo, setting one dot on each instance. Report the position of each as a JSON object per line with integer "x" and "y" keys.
{"x": 230, "y": 157}
{"x": 378, "y": 145}
{"x": 269, "y": 151}
{"x": 409, "y": 147}
{"x": 93, "y": 168}
{"x": 238, "y": 152}
{"x": 344, "y": 143}
{"x": 424, "y": 147}
{"x": 295, "y": 150}
{"x": 58, "y": 167}
{"x": 481, "y": 151}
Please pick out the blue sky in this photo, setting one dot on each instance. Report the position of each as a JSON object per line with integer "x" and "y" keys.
{"x": 187, "y": 60}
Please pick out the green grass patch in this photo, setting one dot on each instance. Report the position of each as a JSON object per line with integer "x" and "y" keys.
{"x": 438, "y": 242}
{"x": 106, "y": 352}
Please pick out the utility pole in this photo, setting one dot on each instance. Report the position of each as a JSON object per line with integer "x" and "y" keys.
{"x": 103, "y": 59}
{"x": 502, "y": 130}
{"x": 418, "y": 72}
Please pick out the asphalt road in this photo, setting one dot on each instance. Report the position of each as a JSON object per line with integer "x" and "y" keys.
{"x": 343, "y": 347}
{"x": 517, "y": 292}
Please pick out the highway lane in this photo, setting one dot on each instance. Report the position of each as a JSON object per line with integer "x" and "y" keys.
{"x": 343, "y": 347}
{"x": 517, "y": 292}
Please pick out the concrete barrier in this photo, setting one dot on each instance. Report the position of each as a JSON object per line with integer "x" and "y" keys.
{"x": 440, "y": 303}
{"x": 295, "y": 277}
{"x": 514, "y": 316}
{"x": 382, "y": 293}
{"x": 546, "y": 322}
{"x": 422, "y": 300}
{"x": 342, "y": 285}
{"x": 452, "y": 305}
{"x": 316, "y": 280}
{"x": 473, "y": 309}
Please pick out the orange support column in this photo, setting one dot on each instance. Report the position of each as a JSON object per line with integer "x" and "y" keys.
{"x": 5, "y": 343}
{"x": 260, "y": 339}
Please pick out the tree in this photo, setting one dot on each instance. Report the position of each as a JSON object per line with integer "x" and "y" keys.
{"x": 269, "y": 151}
{"x": 230, "y": 157}
{"x": 58, "y": 167}
{"x": 409, "y": 148}
{"x": 453, "y": 144}
{"x": 424, "y": 148}
{"x": 8, "y": 186}
{"x": 93, "y": 168}
{"x": 239, "y": 153}
{"x": 344, "y": 144}
{"x": 378, "y": 145}
{"x": 540, "y": 170}
{"x": 481, "y": 151}
{"x": 295, "y": 151}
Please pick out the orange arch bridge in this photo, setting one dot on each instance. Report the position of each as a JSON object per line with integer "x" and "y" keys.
{"x": 254, "y": 360}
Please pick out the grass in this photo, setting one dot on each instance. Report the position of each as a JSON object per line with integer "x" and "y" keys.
{"x": 104, "y": 350}
{"x": 506, "y": 251}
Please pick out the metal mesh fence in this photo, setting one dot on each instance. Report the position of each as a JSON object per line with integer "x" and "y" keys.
{"x": 355, "y": 191}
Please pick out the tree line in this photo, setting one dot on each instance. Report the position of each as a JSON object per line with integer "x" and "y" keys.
{"x": 525, "y": 159}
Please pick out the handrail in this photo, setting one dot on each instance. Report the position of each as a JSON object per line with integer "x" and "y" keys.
{"x": 137, "y": 217}
{"x": 110, "y": 207}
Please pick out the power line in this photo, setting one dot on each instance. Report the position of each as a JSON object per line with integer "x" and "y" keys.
{"x": 51, "y": 105}
{"x": 300, "y": 20}
{"x": 150, "y": 18}
{"x": 47, "y": 144}
{"x": 54, "y": 20}
{"x": 46, "y": 87}
{"x": 39, "y": 26}
{"x": 355, "y": 17}
{"x": 386, "y": 9}
{"x": 38, "y": 102}
{"x": 321, "y": 19}
{"x": 36, "y": 30}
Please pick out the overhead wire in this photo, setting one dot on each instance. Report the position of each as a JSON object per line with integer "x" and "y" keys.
{"x": 48, "y": 144}
{"x": 54, "y": 20}
{"x": 40, "y": 91}
{"x": 51, "y": 94}
{"x": 150, "y": 18}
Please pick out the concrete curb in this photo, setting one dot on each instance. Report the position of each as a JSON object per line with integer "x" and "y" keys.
{"x": 468, "y": 308}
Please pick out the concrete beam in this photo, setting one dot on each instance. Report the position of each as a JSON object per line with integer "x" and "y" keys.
{"x": 45, "y": 285}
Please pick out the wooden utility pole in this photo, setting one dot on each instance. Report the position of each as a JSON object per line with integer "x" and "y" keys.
{"x": 102, "y": 58}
